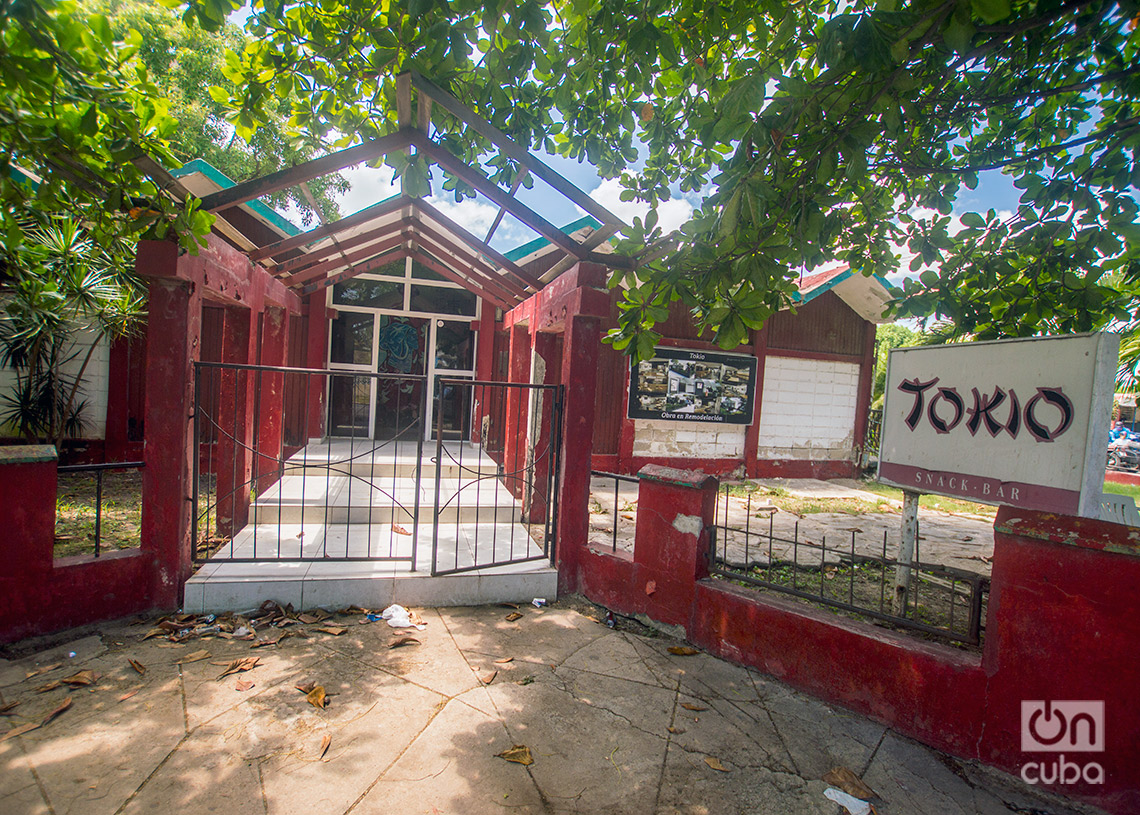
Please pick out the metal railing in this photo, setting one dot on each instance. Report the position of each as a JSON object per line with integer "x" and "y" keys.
{"x": 523, "y": 423}
{"x": 99, "y": 470}
{"x": 237, "y": 480}
{"x": 618, "y": 480}
{"x": 854, "y": 576}
{"x": 873, "y": 436}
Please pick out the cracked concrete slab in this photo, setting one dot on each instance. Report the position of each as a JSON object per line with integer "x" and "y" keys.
{"x": 614, "y": 724}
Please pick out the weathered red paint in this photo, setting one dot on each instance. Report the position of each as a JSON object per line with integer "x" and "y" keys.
{"x": 173, "y": 334}
{"x": 1062, "y": 625}
{"x": 516, "y": 405}
{"x": 28, "y": 482}
{"x": 1117, "y": 477}
{"x": 579, "y": 380}
{"x": 235, "y": 434}
{"x": 269, "y": 404}
{"x": 546, "y": 365}
{"x": 316, "y": 356}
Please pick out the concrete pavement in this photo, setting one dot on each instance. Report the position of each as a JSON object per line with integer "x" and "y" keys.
{"x": 613, "y": 721}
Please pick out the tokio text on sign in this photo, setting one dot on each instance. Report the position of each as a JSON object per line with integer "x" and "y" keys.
{"x": 1017, "y": 422}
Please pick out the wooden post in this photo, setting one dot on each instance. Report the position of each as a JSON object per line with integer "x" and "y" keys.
{"x": 907, "y": 547}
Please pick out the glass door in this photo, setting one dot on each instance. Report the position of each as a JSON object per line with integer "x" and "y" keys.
{"x": 402, "y": 344}
{"x": 454, "y": 358}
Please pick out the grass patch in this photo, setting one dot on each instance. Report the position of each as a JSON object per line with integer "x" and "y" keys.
{"x": 75, "y": 512}
{"x": 1123, "y": 489}
{"x": 797, "y": 505}
{"x": 955, "y": 506}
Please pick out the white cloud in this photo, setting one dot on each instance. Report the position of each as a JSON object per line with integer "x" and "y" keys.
{"x": 670, "y": 214}
{"x": 477, "y": 216}
{"x": 369, "y": 185}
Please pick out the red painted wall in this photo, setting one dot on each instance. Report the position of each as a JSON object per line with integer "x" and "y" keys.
{"x": 1063, "y": 624}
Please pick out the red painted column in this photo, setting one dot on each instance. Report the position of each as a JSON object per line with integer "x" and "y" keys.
{"x": 675, "y": 511}
{"x": 28, "y": 482}
{"x": 752, "y": 433}
{"x": 270, "y": 399}
{"x": 515, "y": 411}
{"x": 580, "y": 381}
{"x": 173, "y": 342}
{"x": 484, "y": 368}
{"x": 235, "y": 425}
{"x": 316, "y": 357}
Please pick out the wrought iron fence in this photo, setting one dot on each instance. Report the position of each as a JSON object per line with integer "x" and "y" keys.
{"x": 348, "y": 498}
{"x": 99, "y": 470}
{"x": 873, "y": 436}
{"x": 847, "y": 574}
{"x": 618, "y": 480}
{"x": 520, "y": 427}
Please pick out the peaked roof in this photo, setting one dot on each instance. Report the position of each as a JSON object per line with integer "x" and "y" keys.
{"x": 866, "y": 295}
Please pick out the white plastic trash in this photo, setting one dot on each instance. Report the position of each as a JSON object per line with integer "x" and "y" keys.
{"x": 852, "y": 804}
{"x": 399, "y": 617}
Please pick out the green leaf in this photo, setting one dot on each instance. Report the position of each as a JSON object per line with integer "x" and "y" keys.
{"x": 991, "y": 11}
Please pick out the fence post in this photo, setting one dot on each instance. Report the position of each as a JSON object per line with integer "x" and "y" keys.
{"x": 906, "y": 551}
{"x": 270, "y": 417}
{"x": 675, "y": 515}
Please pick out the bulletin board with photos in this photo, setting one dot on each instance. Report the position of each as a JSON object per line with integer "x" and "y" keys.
{"x": 687, "y": 385}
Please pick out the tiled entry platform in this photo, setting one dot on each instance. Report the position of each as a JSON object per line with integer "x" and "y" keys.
{"x": 322, "y": 514}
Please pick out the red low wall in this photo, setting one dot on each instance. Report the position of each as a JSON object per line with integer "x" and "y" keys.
{"x": 1062, "y": 625}
{"x": 1119, "y": 477}
{"x": 38, "y": 594}
{"x": 763, "y": 468}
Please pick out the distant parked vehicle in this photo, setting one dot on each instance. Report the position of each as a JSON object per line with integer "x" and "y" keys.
{"x": 1124, "y": 454}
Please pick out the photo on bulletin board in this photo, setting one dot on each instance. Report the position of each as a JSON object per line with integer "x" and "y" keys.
{"x": 685, "y": 385}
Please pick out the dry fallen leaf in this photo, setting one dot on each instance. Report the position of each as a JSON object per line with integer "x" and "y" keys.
{"x": 64, "y": 705}
{"x": 19, "y": 731}
{"x": 683, "y": 650}
{"x": 138, "y": 666}
{"x": 399, "y": 530}
{"x": 239, "y": 665}
{"x": 520, "y": 754}
{"x": 488, "y": 678}
{"x": 194, "y": 657}
{"x": 325, "y": 742}
{"x": 243, "y": 685}
{"x": 504, "y": 660}
{"x": 690, "y": 706}
{"x": 715, "y": 764}
{"x": 402, "y": 641}
{"x": 80, "y": 679}
{"x": 6, "y": 709}
{"x": 508, "y": 605}
{"x": 847, "y": 781}
{"x": 514, "y": 615}
{"x": 306, "y": 687}
{"x": 128, "y": 695}
{"x": 335, "y": 630}
{"x": 43, "y": 669}
{"x": 308, "y": 618}
{"x": 154, "y": 632}
{"x": 676, "y": 731}
{"x": 317, "y": 697}
{"x": 49, "y": 686}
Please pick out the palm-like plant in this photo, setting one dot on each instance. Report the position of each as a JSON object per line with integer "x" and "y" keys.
{"x": 64, "y": 294}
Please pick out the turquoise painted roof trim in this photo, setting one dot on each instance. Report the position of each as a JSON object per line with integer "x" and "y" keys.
{"x": 529, "y": 248}
{"x": 225, "y": 182}
{"x": 831, "y": 284}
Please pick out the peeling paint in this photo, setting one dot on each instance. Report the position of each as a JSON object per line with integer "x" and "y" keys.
{"x": 688, "y": 524}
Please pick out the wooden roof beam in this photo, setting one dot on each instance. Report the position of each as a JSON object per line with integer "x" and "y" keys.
{"x": 594, "y": 240}
{"x": 504, "y": 288}
{"x": 402, "y": 230}
{"x": 348, "y": 222}
{"x": 513, "y": 149}
{"x": 399, "y": 252}
{"x": 292, "y": 176}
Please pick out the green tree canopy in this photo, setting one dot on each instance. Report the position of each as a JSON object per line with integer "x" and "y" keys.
{"x": 817, "y": 128}
{"x": 186, "y": 63}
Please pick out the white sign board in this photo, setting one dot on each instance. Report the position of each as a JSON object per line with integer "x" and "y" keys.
{"x": 1017, "y": 422}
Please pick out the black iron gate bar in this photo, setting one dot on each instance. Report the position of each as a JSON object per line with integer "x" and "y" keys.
{"x": 978, "y": 585}
{"x": 343, "y": 468}
{"x": 551, "y": 455}
{"x": 617, "y": 479}
{"x": 99, "y": 469}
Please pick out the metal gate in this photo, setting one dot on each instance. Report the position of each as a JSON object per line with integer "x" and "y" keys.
{"x": 480, "y": 493}
{"x": 498, "y": 507}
